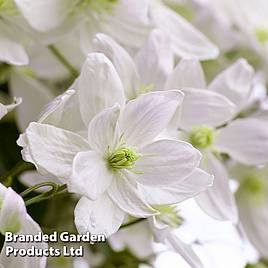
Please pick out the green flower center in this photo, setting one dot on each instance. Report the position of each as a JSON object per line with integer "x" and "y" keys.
{"x": 253, "y": 185}
{"x": 8, "y": 7}
{"x": 123, "y": 157}
{"x": 169, "y": 215}
{"x": 262, "y": 35}
{"x": 202, "y": 137}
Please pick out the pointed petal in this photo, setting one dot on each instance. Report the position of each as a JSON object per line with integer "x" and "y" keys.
{"x": 37, "y": 12}
{"x": 204, "y": 107}
{"x": 63, "y": 112}
{"x": 187, "y": 41}
{"x": 184, "y": 250}
{"x": 98, "y": 217}
{"x": 191, "y": 186}
{"x": 4, "y": 109}
{"x": 91, "y": 176}
{"x": 12, "y": 212}
{"x": 145, "y": 117}
{"x": 103, "y": 132}
{"x": 99, "y": 86}
{"x": 235, "y": 139}
{"x": 166, "y": 162}
{"x": 155, "y": 60}
{"x": 12, "y": 52}
{"x": 218, "y": 201}
{"x": 124, "y": 192}
{"x": 29, "y": 89}
{"x": 234, "y": 82}
{"x": 53, "y": 149}
{"x": 188, "y": 73}
{"x": 122, "y": 62}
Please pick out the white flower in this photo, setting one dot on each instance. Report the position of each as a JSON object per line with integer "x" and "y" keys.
{"x": 4, "y": 109}
{"x": 14, "y": 218}
{"x": 118, "y": 158}
{"x": 252, "y": 203}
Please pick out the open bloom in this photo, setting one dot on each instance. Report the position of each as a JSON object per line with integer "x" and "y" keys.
{"x": 14, "y": 218}
{"x": 120, "y": 162}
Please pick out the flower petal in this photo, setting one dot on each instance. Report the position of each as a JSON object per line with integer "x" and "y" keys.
{"x": 189, "y": 187}
{"x": 99, "y": 86}
{"x": 188, "y": 73}
{"x": 12, "y": 213}
{"x": 91, "y": 176}
{"x": 12, "y": 52}
{"x": 4, "y": 109}
{"x": 37, "y": 12}
{"x": 245, "y": 140}
{"x": 204, "y": 107}
{"x": 63, "y": 112}
{"x": 124, "y": 192}
{"x": 218, "y": 201}
{"x": 166, "y": 162}
{"x": 235, "y": 82}
{"x": 98, "y": 217}
{"x": 103, "y": 132}
{"x": 122, "y": 62}
{"x": 155, "y": 60}
{"x": 53, "y": 149}
{"x": 187, "y": 41}
{"x": 145, "y": 117}
{"x": 29, "y": 89}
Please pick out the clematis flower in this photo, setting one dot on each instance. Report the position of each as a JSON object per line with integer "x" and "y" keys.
{"x": 4, "y": 109}
{"x": 14, "y": 218}
{"x": 118, "y": 157}
{"x": 252, "y": 203}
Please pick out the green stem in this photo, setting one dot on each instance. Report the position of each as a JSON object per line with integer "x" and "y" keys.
{"x": 17, "y": 170}
{"x": 132, "y": 223}
{"x": 54, "y": 187}
{"x": 63, "y": 61}
{"x": 47, "y": 195}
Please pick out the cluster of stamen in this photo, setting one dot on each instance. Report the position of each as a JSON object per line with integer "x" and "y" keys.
{"x": 201, "y": 137}
{"x": 169, "y": 214}
{"x": 262, "y": 35}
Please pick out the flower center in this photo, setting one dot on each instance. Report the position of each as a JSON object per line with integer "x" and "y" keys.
{"x": 123, "y": 157}
{"x": 253, "y": 185}
{"x": 8, "y": 7}
{"x": 202, "y": 137}
{"x": 169, "y": 215}
{"x": 262, "y": 35}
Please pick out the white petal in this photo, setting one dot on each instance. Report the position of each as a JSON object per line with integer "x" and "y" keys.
{"x": 218, "y": 201}
{"x": 53, "y": 149}
{"x": 124, "y": 192}
{"x": 99, "y": 86}
{"x": 204, "y": 107}
{"x": 4, "y": 109}
{"x": 166, "y": 162}
{"x": 103, "y": 132}
{"x": 128, "y": 23}
{"x": 245, "y": 140}
{"x": 122, "y": 62}
{"x": 234, "y": 82}
{"x": 155, "y": 60}
{"x": 187, "y": 41}
{"x": 145, "y": 117}
{"x": 188, "y": 73}
{"x": 63, "y": 112}
{"x": 12, "y": 52}
{"x": 29, "y": 227}
{"x": 184, "y": 250}
{"x": 191, "y": 186}
{"x": 98, "y": 217}
{"x": 90, "y": 176}
{"x": 12, "y": 213}
{"x": 44, "y": 15}
{"x": 29, "y": 89}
